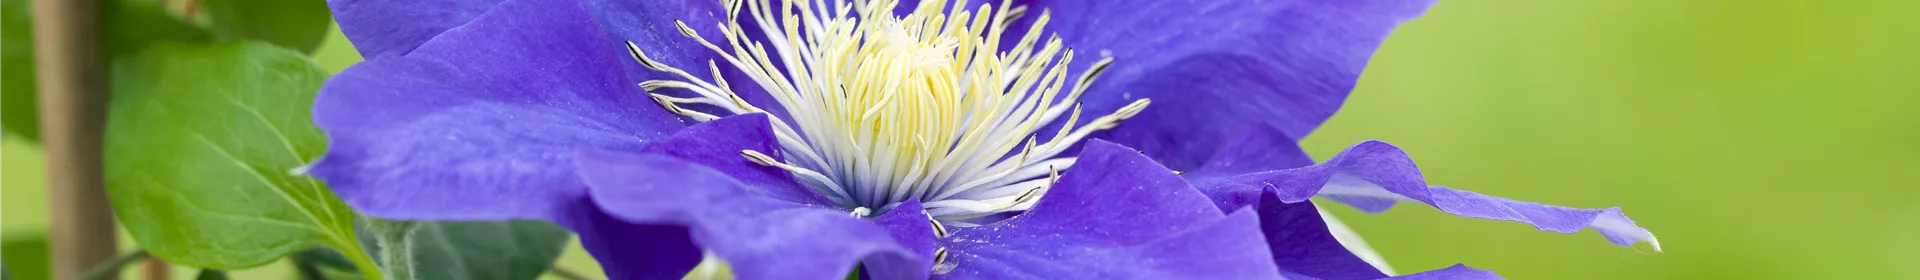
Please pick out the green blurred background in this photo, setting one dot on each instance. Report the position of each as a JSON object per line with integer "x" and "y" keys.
{"x": 1758, "y": 139}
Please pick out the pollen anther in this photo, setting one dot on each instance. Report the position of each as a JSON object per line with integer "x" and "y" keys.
{"x": 939, "y": 230}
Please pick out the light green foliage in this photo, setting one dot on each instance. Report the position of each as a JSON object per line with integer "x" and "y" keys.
{"x": 18, "y": 112}
{"x": 295, "y": 24}
{"x": 1760, "y": 139}
{"x": 468, "y": 250}
{"x": 201, "y": 142}
{"x": 135, "y": 25}
{"x": 211, "y": 274}
{"x": 484, "y": 250}
{"x": 25, "y": 256}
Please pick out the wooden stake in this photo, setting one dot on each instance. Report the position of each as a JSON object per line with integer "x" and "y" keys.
{"x": 73, "y": 102}
{"x": 154, "y": 269}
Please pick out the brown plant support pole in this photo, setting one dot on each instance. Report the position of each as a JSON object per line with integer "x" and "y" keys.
{"x": 155, "y": 269}
{"x": 73, "y": 100}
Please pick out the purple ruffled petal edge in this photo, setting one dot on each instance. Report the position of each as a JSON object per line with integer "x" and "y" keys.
{"x": 632, "y": 251}
{"x": 755, "y": 217}
{"x": 1455, "y": 272}
{"x": 910, "y": 225}
{"x": 385, "y": 27}
{"x": 1116, "y": 214}
{"x": 1374, "y": 175}
{"x": 1302, "y": 245}
{"x": 763, "y": 237}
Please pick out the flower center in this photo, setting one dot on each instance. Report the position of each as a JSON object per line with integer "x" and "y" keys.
{"x": 882, "y": 109}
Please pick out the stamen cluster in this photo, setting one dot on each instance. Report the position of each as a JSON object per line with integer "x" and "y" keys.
{"x": 880, "y": 109}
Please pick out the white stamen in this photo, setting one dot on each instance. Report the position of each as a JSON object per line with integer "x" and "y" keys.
{"x": 939, "y": 230}
{"x": 884, "y": 108}
{"x": 940, "y": 255}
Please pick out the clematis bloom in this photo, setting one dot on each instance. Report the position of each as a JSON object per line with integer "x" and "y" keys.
{"x": 913, "y": 140}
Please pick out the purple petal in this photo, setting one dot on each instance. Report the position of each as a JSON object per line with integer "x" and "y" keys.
{"x": 384, "y": 27}
{"x": 760, "y": 236}
{"x": 660, "y": 251}
{"x": 1250, "y": 148}
{"x": 908, "y": 222}
{"x": 1374, "y": 175}
{"x": 1303, "y": 247}
{"x": 1455, "y": 272}
{"x": 1116, "y": 214}
{"x": 1354, "y": 242}
{"x": 379, "y": 28}
{"x": 482, "y": 121}
{"x": 1209, "y": 65}
{"x": 633, "y": 251}
{"x": 1302, "y": 244}
{"x": 650, "y": 25}
{"x": 907, "y": 6}
{"x": 717, "y": 144}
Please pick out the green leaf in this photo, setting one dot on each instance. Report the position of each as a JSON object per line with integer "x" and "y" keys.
{"x": 19, "y": 113}
{"x": 127, "y": 26}
{"x": 323, "y": 257}
{"x": 211, "y": 274}
{"x": 467, "y": 250}
{"x": 484, "y": 250}
{"x": 296, "y": 24}
{"x": 313, "y": 264}
{"x": 201, "y": 141}
{"x": 333, "y": 274}
{"x": 26, "y": 255}
{"x": 134, "y": 25}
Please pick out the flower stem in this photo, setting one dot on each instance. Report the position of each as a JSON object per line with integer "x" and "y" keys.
{"x": 360, "y": 258}
{"x": 396, "y": 247}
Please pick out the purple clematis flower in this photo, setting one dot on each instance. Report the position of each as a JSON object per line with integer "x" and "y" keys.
{"x": 912, "y": 140}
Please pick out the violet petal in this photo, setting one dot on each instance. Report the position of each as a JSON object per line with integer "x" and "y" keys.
{"x": 633, "y": 251}
{"x": 718, "y": 144}
{"x": 1303, "y": 247}
{"x": 757, "y": 218}
{"x": 760, "y": 236}
{"x": 1116, "y": 214}
{"x": 1210, "y": 65}
{"x": 482, "y": 121}
{"x": 384, "y": 27}
{"x": 910, "y": 225}
{"x": 650, "y": 25}
{"x": 1374, "y": 175}
{"x": 1302, "y": 242}
{"x": 1455, "y": 272}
